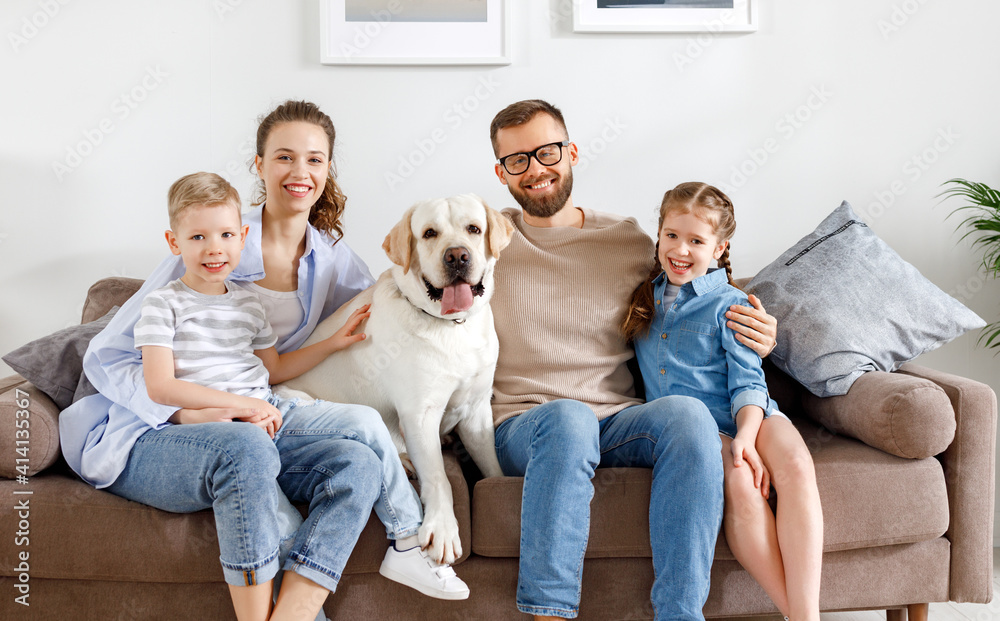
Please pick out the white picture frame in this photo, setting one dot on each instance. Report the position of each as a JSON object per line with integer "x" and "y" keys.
{"x": 626, "y": 16}
{"x": 385, "y": 41}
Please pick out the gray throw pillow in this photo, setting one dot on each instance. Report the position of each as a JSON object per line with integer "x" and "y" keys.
{"x": 54, "y": 363}
{"x": 846, "y": 304}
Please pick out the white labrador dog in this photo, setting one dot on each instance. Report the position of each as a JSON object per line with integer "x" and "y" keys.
{"x": 428, "y": 360}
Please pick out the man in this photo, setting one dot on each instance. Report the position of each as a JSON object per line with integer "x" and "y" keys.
{"x": 564, "y": 401}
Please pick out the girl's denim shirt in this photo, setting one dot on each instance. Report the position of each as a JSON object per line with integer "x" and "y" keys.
{"x": 690, "y": 351}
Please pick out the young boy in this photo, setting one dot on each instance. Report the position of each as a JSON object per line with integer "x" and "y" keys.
{"x": 206, "y": 344}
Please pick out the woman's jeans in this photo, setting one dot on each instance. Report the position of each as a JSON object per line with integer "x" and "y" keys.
{"x": 557, "y": 446}
{"x": 337, "y": 458}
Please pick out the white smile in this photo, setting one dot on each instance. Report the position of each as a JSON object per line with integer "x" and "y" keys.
{"x": 679, "y": 265}
{"x": 540, "y": 186}
{"x": 298, "y": 188}
{"x": 212, "y": 266}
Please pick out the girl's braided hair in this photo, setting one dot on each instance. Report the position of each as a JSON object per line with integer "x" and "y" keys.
{"x": 707, "y": 203}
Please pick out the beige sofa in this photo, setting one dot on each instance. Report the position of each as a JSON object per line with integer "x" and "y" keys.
{"x": 905, "y": 464}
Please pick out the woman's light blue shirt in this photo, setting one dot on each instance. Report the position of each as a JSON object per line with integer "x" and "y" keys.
{"x": 690, "y": 351}
{"x": 97, "y": 432}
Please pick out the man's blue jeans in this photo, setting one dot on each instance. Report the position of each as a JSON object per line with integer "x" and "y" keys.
{"x": 557, "y": 446}
{"x": 337, "y": 458}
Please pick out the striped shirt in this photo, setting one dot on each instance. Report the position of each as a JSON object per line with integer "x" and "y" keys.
{"x": 213, "y": 337}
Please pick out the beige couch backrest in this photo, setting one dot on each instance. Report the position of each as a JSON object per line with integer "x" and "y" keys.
{"x": 106, "y": 293}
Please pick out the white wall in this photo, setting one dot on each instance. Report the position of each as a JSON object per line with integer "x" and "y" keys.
{"x": 873, "y": 100}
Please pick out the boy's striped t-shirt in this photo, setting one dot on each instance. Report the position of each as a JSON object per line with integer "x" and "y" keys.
{"x": 213, "y": 337}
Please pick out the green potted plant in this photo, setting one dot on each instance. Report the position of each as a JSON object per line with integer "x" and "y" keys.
{"x": 982, "y": 209}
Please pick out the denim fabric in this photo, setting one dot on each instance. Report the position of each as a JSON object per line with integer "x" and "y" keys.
{"x": 307, "y": 426}
{"x": 690, "y": 351}
{"x": 337, "y": 458}
{"x": 97, "y": 432}
{"x": 228, "y": 467}
{"x": 556, "y": 448}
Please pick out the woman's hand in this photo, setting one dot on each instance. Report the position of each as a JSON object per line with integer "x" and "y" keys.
{"x": 345, "y": 337}
{"x": 747, "y": 452}
{"x": 289, "y": 365}
{"x": 753, "y": 326}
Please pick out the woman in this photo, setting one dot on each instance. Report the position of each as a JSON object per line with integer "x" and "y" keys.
{"x": 121, "y": 440}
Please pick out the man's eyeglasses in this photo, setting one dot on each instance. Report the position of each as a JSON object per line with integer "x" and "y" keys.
{"x": 547, "y": 155}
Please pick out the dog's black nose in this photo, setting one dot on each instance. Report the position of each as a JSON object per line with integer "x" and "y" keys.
{"x": 456, "y": 258}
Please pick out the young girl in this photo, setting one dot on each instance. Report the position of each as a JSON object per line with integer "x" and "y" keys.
{"x": 677, "y": 321}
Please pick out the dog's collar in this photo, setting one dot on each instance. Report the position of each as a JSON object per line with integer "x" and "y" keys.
{"x": 455, "y": 321}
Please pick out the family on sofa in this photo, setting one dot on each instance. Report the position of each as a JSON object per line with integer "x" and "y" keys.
{"x": 564, "y": 398}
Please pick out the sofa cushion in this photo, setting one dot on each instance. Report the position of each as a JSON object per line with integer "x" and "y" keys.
{"x": 35, "y": 441}
{"x": 106, "y": 293}
{"x": 138, "y": 543}
{"x": 846, "y": 304}
{"x": 870, "y": 498}
{"x": 898, "y": 413}
{"x": 54, "y": 363}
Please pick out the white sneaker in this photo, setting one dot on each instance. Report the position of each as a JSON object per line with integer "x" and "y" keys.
{"x": 415, "y": 569}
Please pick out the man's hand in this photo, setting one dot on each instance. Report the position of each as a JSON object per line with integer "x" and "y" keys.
{"x": 753, "y": 326}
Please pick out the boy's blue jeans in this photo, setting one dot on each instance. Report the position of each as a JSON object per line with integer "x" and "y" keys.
{"x": 337, "y": 458}
{"x": 557, "y": 446}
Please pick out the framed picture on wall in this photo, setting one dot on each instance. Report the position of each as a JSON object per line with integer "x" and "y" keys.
{"x": 664, "y": 15}
{"x": 415, "y": 32}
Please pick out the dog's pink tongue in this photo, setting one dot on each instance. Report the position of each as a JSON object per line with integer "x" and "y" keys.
{"x": 456, "y": 299}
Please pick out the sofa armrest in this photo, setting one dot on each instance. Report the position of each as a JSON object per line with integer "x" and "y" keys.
{"x": 970, "y": 472}
{"x": 38, "y": 442}
{"x": 902, "y": 414}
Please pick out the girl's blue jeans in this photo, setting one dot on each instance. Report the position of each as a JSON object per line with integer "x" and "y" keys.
{"x": 557, "y": 446}
{"x": 337, "y": 458}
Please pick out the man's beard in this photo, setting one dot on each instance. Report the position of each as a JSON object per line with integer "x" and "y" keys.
{"x": 546, "y": 206}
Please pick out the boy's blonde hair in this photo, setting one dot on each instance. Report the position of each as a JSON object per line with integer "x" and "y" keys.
{"x": 200, "y": 188}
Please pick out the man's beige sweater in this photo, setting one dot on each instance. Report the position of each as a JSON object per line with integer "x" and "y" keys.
{"x": 561, "y": 295}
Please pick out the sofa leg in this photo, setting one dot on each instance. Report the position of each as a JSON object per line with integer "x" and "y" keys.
{"x": 915, "y": 612}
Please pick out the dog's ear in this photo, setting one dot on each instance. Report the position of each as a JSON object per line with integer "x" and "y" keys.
{"x": 398, "y": 242}
{"x": 500, "y": 230}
